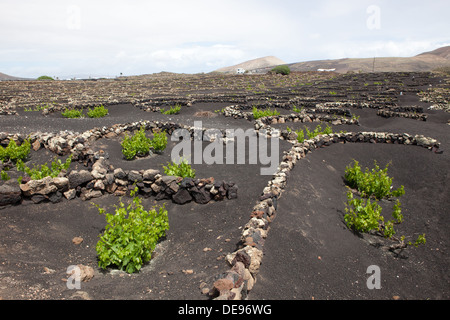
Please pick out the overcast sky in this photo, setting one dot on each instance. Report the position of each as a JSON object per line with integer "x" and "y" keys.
{"x": 105, "y": 38}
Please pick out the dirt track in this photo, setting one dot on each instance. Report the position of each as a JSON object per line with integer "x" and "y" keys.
{"x": 309, "y": 252}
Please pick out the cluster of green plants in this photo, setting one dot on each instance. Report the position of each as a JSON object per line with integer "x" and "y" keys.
{"x": 41, "y": 171}
{"x": 37, "y": 108}
{"x": 173, "y": 110}
{"x": 72, "y": 113}
{"x": 284, "y": 70}
{"x": 318, "y": 130}
{"x": 159, "y": 141}
{"x": 131, "y": 234}
{"x": 264, "y": 113}
{"x": 374, "y": 182}
{"x": 14, "y": 152}
{"x": 139, "y": 145}
{"x": 182, "y": 169}
{"x": 296, "y": 109}
{"x": 4, "y": 175}
{"x": 364, "y": 215}
{"x": 311, "y": 134}
{"x": 98, "y": 112}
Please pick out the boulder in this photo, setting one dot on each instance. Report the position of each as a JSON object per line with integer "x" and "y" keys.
{"x": 120, "y": 174}
{"x": 43, "y": 187}
{"x": 149, "y": 175}
{"x": 167, "y": 180}
{"x": 182, "y": 196}
{"x": 77, "y": 178}
{"x": 62, "y": 183}
{"x": 99, "y": 169}
{"x": 10, "y": 192}
{"x": 134, "y": 176}
{"x": 55, "y": 197}
{"x": 89, "y": 194}
{"x": 201, "y": 196}
{"x": 70, "y": 194}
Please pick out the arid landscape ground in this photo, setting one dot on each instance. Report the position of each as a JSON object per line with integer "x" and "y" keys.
{"x": 308, "y": 251}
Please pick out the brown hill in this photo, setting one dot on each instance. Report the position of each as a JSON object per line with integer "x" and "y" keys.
{"x": 260, "y": 63}
{"x": 423, "y": 62}
{"x": 4, "y": 77}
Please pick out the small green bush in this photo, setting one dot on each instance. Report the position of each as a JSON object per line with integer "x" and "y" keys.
{"x": 365, "y": 216}
{"x": 311, "y": 134}
{"x": 362, "y": 214}
{"x": 45, "y": 78}
{"x": 136, "y": 145}
{"x": 264, "y": 113}
{"x": 139, "y": 145}
{"x": 4, "y": 175}
{"x": 131, "y": 235}
{"x": 183, "y": 169}
{"x": 14, "y": 152}
{"x": 300, "y": 135}
{"x": 40, "y": 172}
{"x": 173, "y": 110}
{"x": 296, "y": 109}
{"x": 373, "y": 182}
{"x": 284, "y": 70}
{"x": 318, "y": 130}
{"x": 159, "y": 141}
{"x": 97, "y": 112}
{"x": 72, "y": 113}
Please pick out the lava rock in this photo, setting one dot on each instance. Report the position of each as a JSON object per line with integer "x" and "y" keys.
{"x": 182, "y": 196}
{"x": 77, "y": 178}
{"x": 10, "y": 193}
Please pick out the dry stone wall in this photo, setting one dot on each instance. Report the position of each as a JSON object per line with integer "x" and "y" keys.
{"x": 238, "y": 281}
{"x": 101, "y": 178}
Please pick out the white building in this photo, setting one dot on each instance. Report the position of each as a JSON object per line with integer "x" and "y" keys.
{"x": 240, "y": 71}
{"x": 326, "y": 70}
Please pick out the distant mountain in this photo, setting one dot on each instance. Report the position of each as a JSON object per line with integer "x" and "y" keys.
{"x": 260, "y": 63}
{"x": 423, "y": 62}
{"x": 4, "y": 77}
{"x": 426, "y": 61}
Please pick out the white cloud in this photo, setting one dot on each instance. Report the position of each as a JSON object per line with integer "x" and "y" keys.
{"x": 109, "y": 37}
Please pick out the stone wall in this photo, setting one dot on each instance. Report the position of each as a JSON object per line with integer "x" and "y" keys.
{"x": 100, "y": 178}
{"x": 411, "y": 115}
{"x": 238, "y": 281}
{"x": 103, "y": 179}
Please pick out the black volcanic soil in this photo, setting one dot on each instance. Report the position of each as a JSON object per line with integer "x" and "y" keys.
{"x": 308, "y": 254}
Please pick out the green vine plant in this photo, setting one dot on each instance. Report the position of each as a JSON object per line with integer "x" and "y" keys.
{"x": 72, "y": 113}
{"x": 139, "y": 145}
{"x": 264, "y": 113}
{"x": 14, "y": 152}
{"x": 182, "y": 169}
{"x": 311, "y": 134}
{"x": 98, "y": 112}
{"x": 4, "y": 175}
{"x": 131, "y": 234}
{"x": 42, "y": 171}
{"x": 364, "y": 215}
{"x": 173, "y": 110}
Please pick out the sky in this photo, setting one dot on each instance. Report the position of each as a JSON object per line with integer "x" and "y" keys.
{"x": 80, "y": 38}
